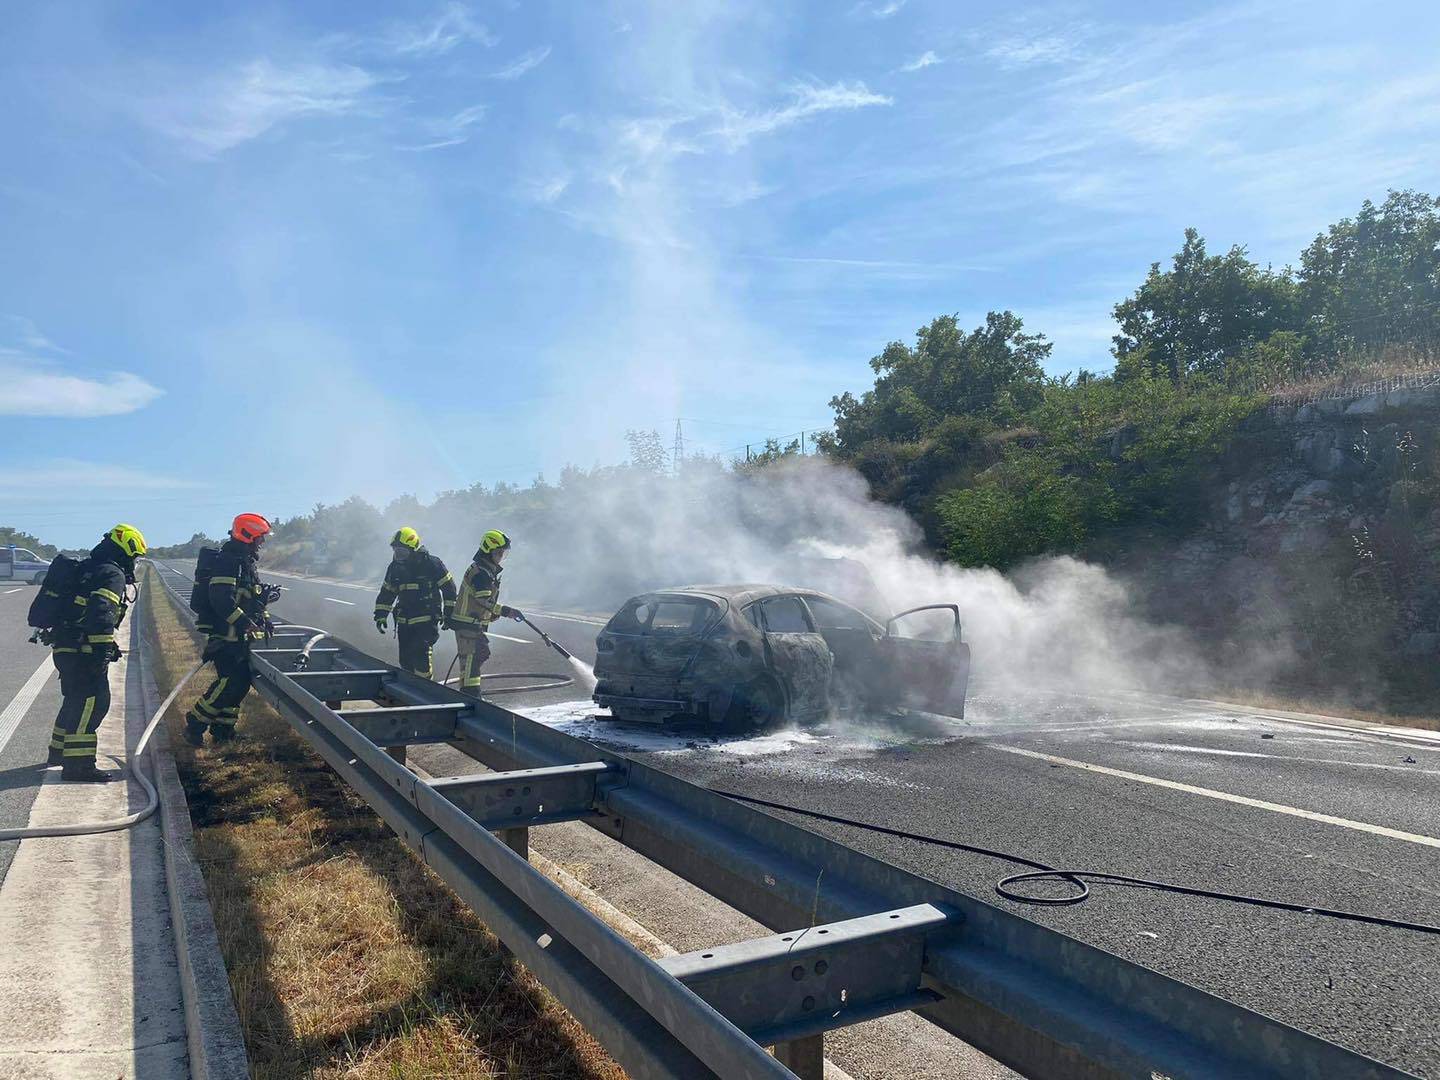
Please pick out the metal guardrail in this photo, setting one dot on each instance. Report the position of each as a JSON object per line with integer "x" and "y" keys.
{"x": 856, "y": 937}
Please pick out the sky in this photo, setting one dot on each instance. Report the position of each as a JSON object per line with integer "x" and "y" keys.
{"x": 262, "y": 255}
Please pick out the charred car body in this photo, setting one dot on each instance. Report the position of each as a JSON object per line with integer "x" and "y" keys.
{"x": 741, "y": 657}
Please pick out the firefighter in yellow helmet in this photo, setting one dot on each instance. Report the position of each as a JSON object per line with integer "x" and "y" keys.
{"x": 426, "y": 594}
{"x": 91, "y": 604}
{"x": 477, "y": 606}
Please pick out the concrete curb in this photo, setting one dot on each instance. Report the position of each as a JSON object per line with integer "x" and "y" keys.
{"x": 212, "y": 1027}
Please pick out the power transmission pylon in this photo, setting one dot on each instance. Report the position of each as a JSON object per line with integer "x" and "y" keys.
{"x": 677, "y": 452}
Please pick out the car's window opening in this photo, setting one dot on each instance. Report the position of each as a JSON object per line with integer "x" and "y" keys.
{"x": 786, "y": 615}
{"x": 680, "y": 616}
{"x": 752, "y": 615}
{"x": 830, "y": 615}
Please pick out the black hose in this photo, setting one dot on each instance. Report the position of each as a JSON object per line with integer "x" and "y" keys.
{"x": 1042, "y": 871}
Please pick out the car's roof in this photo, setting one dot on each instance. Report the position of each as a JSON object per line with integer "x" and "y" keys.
{"x": 740, "y": 595}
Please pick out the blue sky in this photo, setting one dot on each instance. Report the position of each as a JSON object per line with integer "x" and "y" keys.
{"x": 259, "y": 255}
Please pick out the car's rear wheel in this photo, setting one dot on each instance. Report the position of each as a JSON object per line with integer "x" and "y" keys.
{"x": 756, "y": 706}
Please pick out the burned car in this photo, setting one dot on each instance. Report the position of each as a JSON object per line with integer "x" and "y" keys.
{"x": 742, "y": 657}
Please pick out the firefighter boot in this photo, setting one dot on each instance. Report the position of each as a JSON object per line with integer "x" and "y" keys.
{"x": 194, "y": 730}
{"x": 55, "y": 757}
{"x": 84, "y": 771}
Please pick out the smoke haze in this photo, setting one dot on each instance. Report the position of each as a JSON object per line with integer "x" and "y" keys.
{"x": 599, "y": 538}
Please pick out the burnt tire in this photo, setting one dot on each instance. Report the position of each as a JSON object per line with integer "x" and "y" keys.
{"x": 756, "y": 706}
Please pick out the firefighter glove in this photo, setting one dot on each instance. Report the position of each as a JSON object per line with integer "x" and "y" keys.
{"x": 512, "y": 613}
{"x": 380, "y": 623}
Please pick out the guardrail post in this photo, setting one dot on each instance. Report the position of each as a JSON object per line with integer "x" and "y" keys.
{"x": 804, "y": 1057}
{"x": 518, "y": 841}
{"x": 397, "y": 752}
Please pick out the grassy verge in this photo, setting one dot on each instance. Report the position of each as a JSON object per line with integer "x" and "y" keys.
{"x": 347, "y": 956}
{"x": 1261, "y": 699}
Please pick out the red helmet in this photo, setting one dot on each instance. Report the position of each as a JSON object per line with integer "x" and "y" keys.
{"x": 248, "y": 528}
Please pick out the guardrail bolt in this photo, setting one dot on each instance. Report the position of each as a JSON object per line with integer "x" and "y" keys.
{"x": 808, "y": 1004}
{"x": 797, "y": 973}
{"x": 821, "y": 967}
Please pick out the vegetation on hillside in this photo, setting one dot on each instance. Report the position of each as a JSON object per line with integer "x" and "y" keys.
{"x": 1001, "y": 462}
{"x": 20, "y": 538}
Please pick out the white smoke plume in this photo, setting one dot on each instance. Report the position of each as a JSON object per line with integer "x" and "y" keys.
{"x": 599, "y": 538}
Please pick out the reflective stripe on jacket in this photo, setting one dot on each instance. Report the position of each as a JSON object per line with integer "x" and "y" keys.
{"x": 423, "y": 587}
{"x": 479, "y": 601}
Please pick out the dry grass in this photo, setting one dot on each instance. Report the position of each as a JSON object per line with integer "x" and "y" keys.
{"x": 347, "y": 956}
{"x": 1358, "y": 369}
{"x": 1262, "y": 699}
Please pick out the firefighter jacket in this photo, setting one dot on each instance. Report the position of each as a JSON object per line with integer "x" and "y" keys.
{"x": 422, "y": 587}
{"x": 237, "y": 599}
{"x": 99, "y": 605}
{"x": 479, "y": 602}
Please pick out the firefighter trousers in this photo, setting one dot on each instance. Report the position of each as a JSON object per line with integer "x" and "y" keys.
{"x": 417, "y": 648}
{"x": 85, "y": 699}
{"x": 472, "y": 652}
{"x": 219, "y": 706}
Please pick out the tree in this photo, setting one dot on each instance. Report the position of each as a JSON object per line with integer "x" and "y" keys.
{"x": 1191, "y": 318}
{"x": 992, "y": 372}
{"x": 1374, "y": 279}
{"x": 647, "y": 452}
{"x": 10, "y": 536}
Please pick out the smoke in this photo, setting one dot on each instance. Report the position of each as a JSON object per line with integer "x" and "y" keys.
{"x": 599, "y": 538}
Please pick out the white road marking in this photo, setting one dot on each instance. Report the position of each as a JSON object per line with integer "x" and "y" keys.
{"x": 1225, "y": 796}
{"x": 322, "y": 581}
{"x": 347, "y": 603}
{"x": 9, "y": 591}
{"x": 16, "y": 710}
{"x": 567, "y": 618}
{"x": 1168, "y": 747}
{"x": 506, "y": 637}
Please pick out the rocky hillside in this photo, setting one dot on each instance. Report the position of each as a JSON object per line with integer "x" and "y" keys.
{"x": 1319, "y": 568}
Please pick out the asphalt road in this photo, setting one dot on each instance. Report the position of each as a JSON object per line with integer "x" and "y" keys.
{"x": 29, "y": 701}
{"x": 1130, "y": 784}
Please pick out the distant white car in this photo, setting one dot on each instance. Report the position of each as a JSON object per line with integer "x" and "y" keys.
{"x": 21, "y": 564}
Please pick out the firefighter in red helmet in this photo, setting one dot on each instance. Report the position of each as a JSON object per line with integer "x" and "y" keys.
{"x": 236, "y": 617}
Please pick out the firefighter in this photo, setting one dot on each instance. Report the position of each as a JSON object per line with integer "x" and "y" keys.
{"x": 426, "y": 594}
{"x": 477, "y": 606}
{"x": 84, "y": 648}
{"x": 236, "y": 617}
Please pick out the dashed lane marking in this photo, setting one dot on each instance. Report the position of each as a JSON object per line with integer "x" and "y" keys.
{"x": 7, "y": 592}
{"x": 347, "y": 603}
{"x": 588, "y": 620}
{"x": 1225, "y": 796}
{"x": 20, "y": 705}
{"x": 507, "y": 637}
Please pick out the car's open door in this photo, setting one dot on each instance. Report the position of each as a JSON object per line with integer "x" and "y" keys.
{"x": 928, "y": 663}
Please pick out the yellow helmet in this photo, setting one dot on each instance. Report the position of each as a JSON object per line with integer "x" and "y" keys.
{"x": 128, "y": 539}
{"x": 493, "y": 541}
{"x": 407, "y": 536}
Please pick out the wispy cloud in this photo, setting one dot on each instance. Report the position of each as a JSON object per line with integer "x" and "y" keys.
{"x": 66, "y": 477}
{"x": 34, "y": 387}
{"x": 454, "y": 24}
{"x": 245, "y": 103}
{"x": 878, "y": 9}
{"x": 1025, "y": 51}
{"x": 737, "y": 128}
{"x": 546, "y": 190}
{"x": 527, "y": 62}
{"x": 449, "y": 130}
{"x": 33, "y": 383}
{"x": 924, "y": 60}
{"x": 18, "y": 330}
